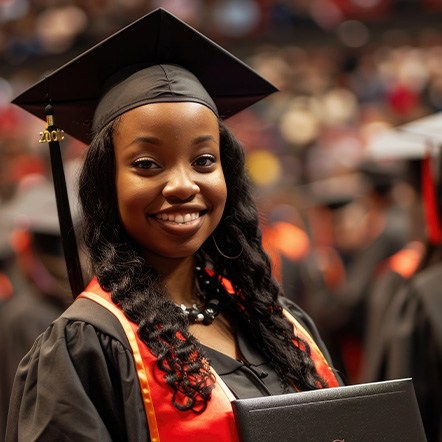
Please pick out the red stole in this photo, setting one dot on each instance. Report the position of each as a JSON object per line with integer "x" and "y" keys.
{"x": 166, "y": 423}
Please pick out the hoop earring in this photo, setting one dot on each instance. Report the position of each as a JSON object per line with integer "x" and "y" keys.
{"x": 223, "y": 254}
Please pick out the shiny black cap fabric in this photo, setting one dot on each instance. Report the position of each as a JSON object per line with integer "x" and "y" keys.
{"x": 154, "y": 84}
{"x": 215, "y": 77}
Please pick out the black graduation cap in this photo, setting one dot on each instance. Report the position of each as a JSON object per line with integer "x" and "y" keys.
{"x": 333, "y": 192}
{"x": 157, "y": 58}
{"x": 379, "y": 177}
{"x": 157, "y": 38}
{"x": 34, "y": 209}
{"x": 420, "y": 143}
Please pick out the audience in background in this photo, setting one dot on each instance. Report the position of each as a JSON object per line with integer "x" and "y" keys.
{"x": 336, "y": 95}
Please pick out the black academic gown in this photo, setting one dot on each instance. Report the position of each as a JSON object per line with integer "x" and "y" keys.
{"x": 378, "y": 305}
{"x": 410, "y": 345}
{"x": 79, "y": 383}
{"x": 22, "y": 319}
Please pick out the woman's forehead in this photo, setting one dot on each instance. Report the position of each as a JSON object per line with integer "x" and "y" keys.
{"x": 163, "y": 123}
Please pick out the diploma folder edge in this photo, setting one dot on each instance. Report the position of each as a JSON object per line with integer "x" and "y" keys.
{"x": 385, "y": 410}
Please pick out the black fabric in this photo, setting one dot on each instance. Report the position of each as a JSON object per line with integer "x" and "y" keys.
{"x": 410, "y": 344}
{"x": 351, "y": 413}
{"x": 379, "y": 302}
{"x": 254, "y": 376}
{"x": 251, "y": 377}
{"x": 154, "y": 84}
{"x": 22, "y": 319}
{"x": 157, "y": 38}
{"x": 102, "y": 400}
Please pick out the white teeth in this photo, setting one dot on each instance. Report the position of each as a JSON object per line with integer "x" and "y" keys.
{"x": 179, "y": 218}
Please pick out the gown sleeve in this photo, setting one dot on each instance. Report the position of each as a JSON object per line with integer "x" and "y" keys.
{"x": 77, "y": 383}
{"x": 410, "y": 344}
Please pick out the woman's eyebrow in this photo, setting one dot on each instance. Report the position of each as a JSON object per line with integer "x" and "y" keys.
{"x": 204, "y": 138}
{"x": 146, "y": 139}
{"x": 152, "y": 140}
{"x": 140, "y": 140}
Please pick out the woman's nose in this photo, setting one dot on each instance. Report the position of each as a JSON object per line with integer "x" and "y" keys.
{"x": 181, "y": 185}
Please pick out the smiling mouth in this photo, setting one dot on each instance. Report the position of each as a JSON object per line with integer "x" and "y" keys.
{"x": 178, "y": 218}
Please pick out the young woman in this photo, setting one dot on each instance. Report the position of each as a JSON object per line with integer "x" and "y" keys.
{"x": 183, "y": 314}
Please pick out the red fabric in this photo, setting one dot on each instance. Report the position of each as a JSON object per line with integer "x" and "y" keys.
{"x": 374, "y": 11}
{"x": 432, "y": 5}
{"x": 403, "y": 100}
{"x": 431, "y": 206}
{"x": 217, "y": 421}
{"x": 406, "y": 261}
{"x": 6, "y": 289}
{"x": 321, "y": 365}
{"x": 282, "y": 238}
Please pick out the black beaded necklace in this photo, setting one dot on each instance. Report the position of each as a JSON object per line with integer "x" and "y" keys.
{"x": 209, "y": 309}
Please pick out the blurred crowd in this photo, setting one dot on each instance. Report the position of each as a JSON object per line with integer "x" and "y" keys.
{"x": 347, "y": 230}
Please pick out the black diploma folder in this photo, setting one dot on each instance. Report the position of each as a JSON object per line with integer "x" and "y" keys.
{"x": 373, "y": 412}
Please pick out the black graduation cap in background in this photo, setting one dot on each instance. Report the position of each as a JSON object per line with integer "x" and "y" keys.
{"x": 420, "y": 143}
{"x": 334, "y": 192}
{"x": 34, "y": 210}
{"x": 33, "y": 206}
{"x": 157, "y": 38}
{"x": 379, "y": 177}
{"x": 116, "y": 75}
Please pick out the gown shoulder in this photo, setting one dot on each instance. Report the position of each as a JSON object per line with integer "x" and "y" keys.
{"x": 87, "y": 346}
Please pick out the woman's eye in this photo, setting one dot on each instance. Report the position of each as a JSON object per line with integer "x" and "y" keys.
{"x": 204, "y": 161}
{"x": 145, "y": 164}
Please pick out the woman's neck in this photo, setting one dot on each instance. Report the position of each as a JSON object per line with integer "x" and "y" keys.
{"x": 179, "y": 278}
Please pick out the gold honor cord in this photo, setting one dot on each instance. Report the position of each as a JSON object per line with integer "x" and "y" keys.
{"x": 53, "y": 135}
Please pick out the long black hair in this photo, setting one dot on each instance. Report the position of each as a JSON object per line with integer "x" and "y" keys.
{"x": 137, "y": 288}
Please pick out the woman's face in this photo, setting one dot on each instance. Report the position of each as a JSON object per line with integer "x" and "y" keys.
{"x": 170, "y": 184}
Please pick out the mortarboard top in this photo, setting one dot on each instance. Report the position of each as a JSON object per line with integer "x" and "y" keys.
{"x": 421, "y": 140}
{"x": 34, "y": 208}
{"x": 409, "y": 141}
{"x": 157, "y": 58}
{"x": 157, "y": 38}
{"x": 426, "y": 128}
